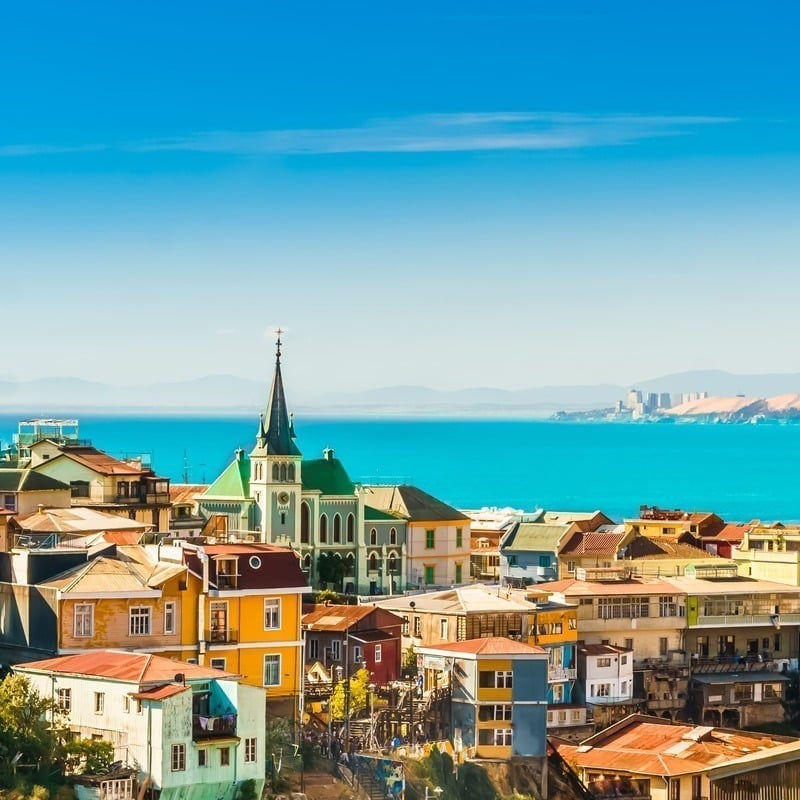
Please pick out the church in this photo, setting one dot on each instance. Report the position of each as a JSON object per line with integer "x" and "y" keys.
{"x": 352, "y": 538}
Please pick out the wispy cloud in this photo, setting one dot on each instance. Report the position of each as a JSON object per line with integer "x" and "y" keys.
{"x": 428, "y": 133}
{"x": 12, "y": 150}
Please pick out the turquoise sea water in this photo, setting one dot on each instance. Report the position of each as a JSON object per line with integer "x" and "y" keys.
{"x": 742, "y": 472}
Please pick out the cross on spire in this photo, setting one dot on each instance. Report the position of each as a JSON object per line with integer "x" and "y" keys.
{"x": 278, "y": 344}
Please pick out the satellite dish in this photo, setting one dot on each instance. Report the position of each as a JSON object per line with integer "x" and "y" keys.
{"x": 180, "y": 678}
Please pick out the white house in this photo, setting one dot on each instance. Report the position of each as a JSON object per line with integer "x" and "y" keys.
{"x": 191, "y": 732}
{"x": 606, "y": 673}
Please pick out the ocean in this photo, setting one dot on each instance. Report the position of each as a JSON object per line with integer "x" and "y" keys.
{"x": 741, "y": 472}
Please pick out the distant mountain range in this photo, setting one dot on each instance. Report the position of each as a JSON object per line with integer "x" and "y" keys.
{"x": 226, "y": 393}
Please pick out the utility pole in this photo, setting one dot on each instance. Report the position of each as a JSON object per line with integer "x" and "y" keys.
{"x": 347, "y": 692}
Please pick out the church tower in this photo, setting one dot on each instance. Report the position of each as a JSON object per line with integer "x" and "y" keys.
{"x": 275, "y": 465}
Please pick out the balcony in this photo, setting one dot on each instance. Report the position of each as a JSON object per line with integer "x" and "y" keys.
{"x": 610, "y": 700}
{"x": 221, "y": 636}
{"x": 556, "y": 674}
{"x": 50, "y": 541}
{"x": 213, "y": 727}
{"x": 225, "y": 581}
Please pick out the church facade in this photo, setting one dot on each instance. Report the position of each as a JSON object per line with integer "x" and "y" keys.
{"x": 276, "y": 496}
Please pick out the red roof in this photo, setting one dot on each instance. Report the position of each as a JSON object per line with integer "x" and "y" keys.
{"x": 491, "y": 646}
{"x": 337, "y": 617}
{"x": 101, "y": 462}
{"x": 730, "y": 533}
{"x": 161, "y": 692}
{"x": 139, "y": 668}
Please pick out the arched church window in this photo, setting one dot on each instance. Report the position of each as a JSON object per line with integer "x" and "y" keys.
{"x": 351, "y": 528}
{"x": 275, "y": 472}
{"x": 373, "y": 536}
{"x": 307, "y": 563}
{"x": 393, "y": 536}
{"x": 283, "y": 472}
{"x": 337, "y": 529}
{"x": 323, "y": 528}
{"x": 373, "y": 562}
{"x": 291, "y": 472}
{"x": 305, "y": 523}
{"x": 392, "y": 563}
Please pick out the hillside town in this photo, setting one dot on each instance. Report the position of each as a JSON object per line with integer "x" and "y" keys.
{"x": 652, "y": 657}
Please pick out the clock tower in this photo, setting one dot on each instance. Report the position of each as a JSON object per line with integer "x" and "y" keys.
{"x": 275, "y": 465}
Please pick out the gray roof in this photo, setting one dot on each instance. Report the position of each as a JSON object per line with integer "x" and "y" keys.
{"x": 412, "y": 503}
{"x": 534, "y": 537}
{"x": 28, "y": 480}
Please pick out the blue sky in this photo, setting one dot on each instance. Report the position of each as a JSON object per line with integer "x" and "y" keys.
{"x": 440, "y": 193}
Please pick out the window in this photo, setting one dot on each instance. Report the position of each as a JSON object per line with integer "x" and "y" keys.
{"x": 512, "y": 561}
{"x": 544, "y": 561}
{"x": 373, "y": 563}
{"x": 702, "y": 646}
{"x": 604, "y": 662}
{"x": 305, "y": 523}
{"x": 227, "y": 573}
{"x": 250, "y": 750}
{"x": 772, "y": 690}
{"x": 202, "y": 758}
{"x": 601, "y": 690}
{"x": 743, "y": 692}
{"x": 443, "y": 628}
{"x": 272, "y": 670}
{"x": 576, "y": 716}
{"x": 663, "y": 644}
{"x": 313, "y": 648}
{"x": 393, "y": 536}
{"x": 501, "y": 679}
{"x": 570, "y": 566}
{"x": 10, "y": 502}
{"x": 84, "y": 619}
{"x": 430, "y": 540}
{"x": 178, "y": 758}
{"x": 459, "y": 573}
{"x": 430, "y": 574}
{"x": 623, "y": 688}
{"x": 351, "y": 529}
{"x": 667, "y": 607}
{"x": 623, "y": 607}
{"x": 417, "y": 626}
{"x": 323, "y": 528}
{"x": 502, "y": 737}
{"x": 629, "y": 644}
{"x": 138, "y": 706}
{"x": 217, "y": 663}
{"x": 373, "y": 536}
{"x": 623, "y": 659}
{"x": 562, "y": 716}
{"x": 558, "y": 693}
{"x": 337, "y": 529}
{"x": 65, "y": 699}
{"x": 377, "y": 654}
{"x": 336, "y": 650}
{"x": 126, "y": 704}
{"x": 99, "y": 702}
{"x": 488, "y": 713}
{"x": 169, "y": 617}
{"x": 392, "y": 564}
{"x": 459, "y": 537}
{"x": 224, "y": 756}
{"x": 272, "y": 614}
{"x": 139, "y": 618}
{"x": 357, "y": 654}
{"x": 777, "y": 642}
{"x": 79, "y": 488}
{"x": 549, "y": 717}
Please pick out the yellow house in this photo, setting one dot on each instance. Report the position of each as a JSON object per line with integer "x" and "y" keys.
{"x": 248, "y": 616}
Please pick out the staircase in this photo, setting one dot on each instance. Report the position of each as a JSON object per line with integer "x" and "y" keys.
{"x": 369, "y": 785}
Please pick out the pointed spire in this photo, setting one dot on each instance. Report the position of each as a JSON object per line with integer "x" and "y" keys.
{"x": 276, "y": 431}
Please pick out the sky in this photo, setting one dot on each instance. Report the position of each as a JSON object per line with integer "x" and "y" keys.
{"x": 449, "y": 194}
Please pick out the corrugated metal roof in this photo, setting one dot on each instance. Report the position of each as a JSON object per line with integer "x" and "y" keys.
{"x": 466, "y": 599}
{"x": 412, "y": 503}
{"x": 493, "y": 645}
{"x": 535, "y": 537}
{"x": 336, "y": 618}
{"x": 137, "y": 668}
{"x": 78, "y": 520}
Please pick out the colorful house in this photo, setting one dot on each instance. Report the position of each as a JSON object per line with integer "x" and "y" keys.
{"x": 354, "y": 637}
{"x": 189, "y": 731}
{"x": 437, "y": 535}
{"x": 499, "y": 695}
{"x": 645, "y": 758}
{"x": 96, "y": 479}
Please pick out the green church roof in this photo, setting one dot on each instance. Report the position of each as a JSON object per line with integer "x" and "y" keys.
{"x": 376, "y": 515}
{"x": 234, "y": 481}
{"x": 327, "y": 475}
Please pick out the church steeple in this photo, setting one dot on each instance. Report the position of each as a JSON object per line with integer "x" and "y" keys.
{"x": 276, "y": 430}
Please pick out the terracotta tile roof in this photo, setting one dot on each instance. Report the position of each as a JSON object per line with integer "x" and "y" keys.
{"x": 493, "y": 645}
{"x": 593, "y": 544}
{"x": 138, "y": 668}
{"x": 730, "y": 533}
{"x": 663, "y": 547}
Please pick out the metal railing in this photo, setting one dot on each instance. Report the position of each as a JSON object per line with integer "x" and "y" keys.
{"x": 221, "y": 636}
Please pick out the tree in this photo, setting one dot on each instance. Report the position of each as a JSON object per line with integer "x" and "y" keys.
{"x": 27, "y": 725}
{"x": 359, "y": 693}
{"x": 330, "y": 568}
{"x": 410, "y": 663}
{"x": 89, "y": 756}
{"x": 324, "y": 595}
